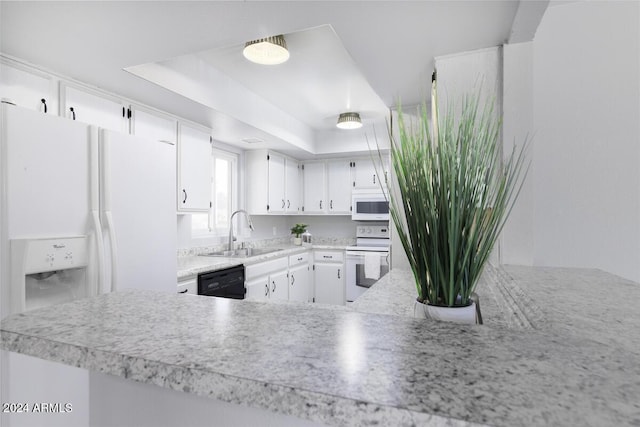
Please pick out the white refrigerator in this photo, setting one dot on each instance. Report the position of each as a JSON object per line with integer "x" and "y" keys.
{"x": 83, "y": 211}
{"x": 63, "y": 179}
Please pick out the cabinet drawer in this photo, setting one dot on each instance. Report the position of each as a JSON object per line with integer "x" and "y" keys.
{"x": 188, "y": 287}
{"x": 265, "y": 268}
{"x": 300, "y": 258}
{"x": 329, "y": 256}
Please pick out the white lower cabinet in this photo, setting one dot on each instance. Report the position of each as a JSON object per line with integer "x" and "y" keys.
{"x": 257, "y": 289}
{"x": 267, "y": 280}
{"x": 299, "y": 278}
{"x": 188, "y": 286}
{"x": 328, "y": 277}
{"x": 278, "y": 283}
{"x": 291, "y": 279}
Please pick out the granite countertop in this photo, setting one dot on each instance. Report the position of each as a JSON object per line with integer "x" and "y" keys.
{"x": 192, "y": 265}
{"x": 359, "y": 366}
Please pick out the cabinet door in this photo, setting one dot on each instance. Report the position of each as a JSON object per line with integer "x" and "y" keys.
{"x": 27, "y": 89}
{"x": 314, "y": 188}
{"x": 194, "y": 170}
{"x": 292, "y": 186}
{"x": 189, "y": 286}
{"x": 329, "y": 283}
{"x": 152, "y": 125}
{"x": 339, "y": 186}
{"x": 277, "y": 202}
{"x": 258, "y": 289}
{"x": 365, "y": 174}
{"x": 93, "y": 108}
{"x": 368, "y": 174}
{"x": 279, "y": 286}
{"x": 299, "y": 283}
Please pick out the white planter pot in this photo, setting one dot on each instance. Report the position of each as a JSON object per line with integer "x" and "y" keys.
{"x": 297, "y": 241}
{"x": 448, "y": 314}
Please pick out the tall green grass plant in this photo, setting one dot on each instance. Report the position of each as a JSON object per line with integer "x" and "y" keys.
{"x": 455, "y": 194}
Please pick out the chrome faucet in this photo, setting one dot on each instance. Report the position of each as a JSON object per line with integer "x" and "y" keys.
{"x": 231, "y": 238}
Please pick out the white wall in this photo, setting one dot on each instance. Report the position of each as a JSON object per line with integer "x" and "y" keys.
{"x": 586, "y": 80}
{"x": 517, "y": 237}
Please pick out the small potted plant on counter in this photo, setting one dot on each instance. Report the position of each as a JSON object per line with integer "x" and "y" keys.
{"x": 297, "y": 231}
{"x": 453, "y": 197}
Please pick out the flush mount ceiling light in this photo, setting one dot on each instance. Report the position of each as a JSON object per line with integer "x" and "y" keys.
{"x": 349, "y": 121}
{"x": 268, "y": 51}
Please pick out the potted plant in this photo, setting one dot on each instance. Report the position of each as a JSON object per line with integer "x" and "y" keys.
{"x": 297, "y": 231}
{"x": 453, "y": 197}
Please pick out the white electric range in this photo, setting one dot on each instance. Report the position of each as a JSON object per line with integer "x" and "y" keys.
{"x": 368, "y": 260}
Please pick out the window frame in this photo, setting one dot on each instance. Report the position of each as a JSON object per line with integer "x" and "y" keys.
{"x": 219, "y": 230}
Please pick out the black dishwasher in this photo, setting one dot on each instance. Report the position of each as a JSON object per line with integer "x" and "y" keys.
{"x": 227, "y": 283}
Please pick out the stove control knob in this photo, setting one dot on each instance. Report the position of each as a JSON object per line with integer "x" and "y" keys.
{"x": 368, "y": 230}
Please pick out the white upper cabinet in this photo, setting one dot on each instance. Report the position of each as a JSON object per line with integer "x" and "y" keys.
{"x": 314, "y": 190}
{"x": 292, "y": 186}
{"x": 370, "y": 175}
{"x": 273, "y": 183}
{"x": 194, "y": 169}
{"x": 153, "y": 125}
{"x": 276, "y": 187}
{"x": 339, "y": 185}
{"x": 88, "y": 106}
{"x": 27, "y": 88}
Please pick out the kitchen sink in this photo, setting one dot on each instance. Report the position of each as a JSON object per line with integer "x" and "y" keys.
{"x": 243, "y": 252}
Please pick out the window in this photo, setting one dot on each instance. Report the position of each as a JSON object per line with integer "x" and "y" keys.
{"x": 224, "y": 195}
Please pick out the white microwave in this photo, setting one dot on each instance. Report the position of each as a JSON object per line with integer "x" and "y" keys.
{"x": 369, "y": 206}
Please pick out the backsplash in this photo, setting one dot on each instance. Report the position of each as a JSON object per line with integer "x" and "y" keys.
{"x": 276, "y": 241}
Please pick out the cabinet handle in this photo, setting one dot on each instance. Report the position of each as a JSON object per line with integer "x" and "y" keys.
{"x": 300, "y": 259}
{"x": 320, "y": 204}
{"x": 374, "y": 178}
{"x": 327, "y": 256}
{"x": 386, "y": 178}
{"x": 44, "y": 104}
{"x": 282, "y": 203}
{"x": 330, "y": 204}
{"x": 183, "y": 292}
{"x": 274, "y": 286}
{"x": 73, "y": 113}
{"x": 288, "y": 204}
{"x": 185, "y": 196}
{"x": 293, "y": 279}
{"x": 266, "y": 289}
{"x": 338, "y": 273}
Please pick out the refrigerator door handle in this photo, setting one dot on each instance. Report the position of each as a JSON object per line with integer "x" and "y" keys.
{"x": 106, "y": 207}
{"x": 100, "y": 246}
{"x": 95, "y": 207}
{"x": 114, "y": 251}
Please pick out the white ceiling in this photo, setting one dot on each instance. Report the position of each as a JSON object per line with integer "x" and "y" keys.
{"x": 391, "y": 45}
{"x": 319, "y": 81}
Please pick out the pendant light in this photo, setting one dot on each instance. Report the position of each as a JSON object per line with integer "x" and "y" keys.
{"x": 349, "y": 120}
{"x": 268, "y": 51}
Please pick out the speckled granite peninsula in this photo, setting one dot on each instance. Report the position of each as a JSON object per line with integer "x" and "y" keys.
{"x": 571, "y": 358}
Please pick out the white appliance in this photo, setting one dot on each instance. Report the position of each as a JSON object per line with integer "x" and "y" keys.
{"x": 369, "y": 205}
{"x": 83, "y": 211}
{"x": 368, "y": 261}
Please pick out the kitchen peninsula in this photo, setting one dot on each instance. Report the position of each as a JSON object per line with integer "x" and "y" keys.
{"x": 565, "y": 361}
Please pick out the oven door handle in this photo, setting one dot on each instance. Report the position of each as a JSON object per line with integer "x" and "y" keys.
{"x": 354, "y": 255}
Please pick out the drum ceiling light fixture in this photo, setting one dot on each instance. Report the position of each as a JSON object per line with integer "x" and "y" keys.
{"x": 349, "y": 120}
{"x": 267, "y": 51}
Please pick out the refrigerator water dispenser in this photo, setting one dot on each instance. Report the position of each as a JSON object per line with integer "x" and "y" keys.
{"x": 49, "y": 271}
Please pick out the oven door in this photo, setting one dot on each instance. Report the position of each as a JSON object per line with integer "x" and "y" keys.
{"x": 357, "y": 280}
